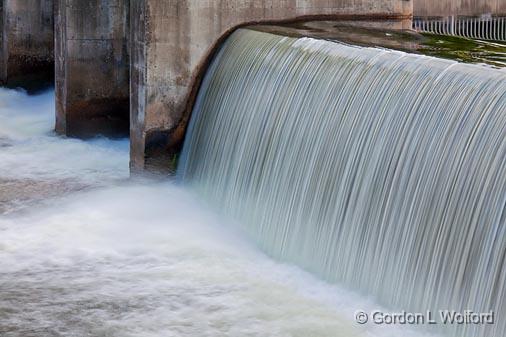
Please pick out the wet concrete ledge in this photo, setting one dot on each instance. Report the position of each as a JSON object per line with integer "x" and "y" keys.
{"x": 88, "y": 118}
{"x": 34, "y": 76}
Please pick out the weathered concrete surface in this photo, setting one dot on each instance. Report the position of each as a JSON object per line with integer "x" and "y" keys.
{"x": 431, "y": 8}
{"x": 27, "y": 41}
{"x": 92, "y": 67}
{"x": 171, "y": 41}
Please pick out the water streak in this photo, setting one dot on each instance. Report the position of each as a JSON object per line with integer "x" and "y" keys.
{"x": 137, "y": 258}
{"x": 381, "y": 170}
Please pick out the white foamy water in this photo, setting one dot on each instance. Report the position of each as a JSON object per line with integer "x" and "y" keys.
{"x": 36, "y": 164}
{"x": 145, "y": 258}
{"x": 32, "y": 151}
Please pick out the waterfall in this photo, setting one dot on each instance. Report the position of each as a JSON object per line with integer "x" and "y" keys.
{"x": 376, "y": 169}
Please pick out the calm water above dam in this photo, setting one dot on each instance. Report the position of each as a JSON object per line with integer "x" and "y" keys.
{"x": 84, "y": 252}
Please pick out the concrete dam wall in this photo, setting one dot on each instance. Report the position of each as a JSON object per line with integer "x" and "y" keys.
{"x": 102, "y": 89}
{"x": 431, "y": 8}
{"x": 27, "y": 46}
{"x": 132, "y": 67}
{"x": 92, "y": 67}
{"x": 171, "y": 41}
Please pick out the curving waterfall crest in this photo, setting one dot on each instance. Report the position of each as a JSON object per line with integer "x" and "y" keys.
{"x": 381, "y": 170}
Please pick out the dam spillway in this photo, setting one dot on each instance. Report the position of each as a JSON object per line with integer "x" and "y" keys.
{"x": 379, "y": 172}
{"x": 86, "y": 252}
{"x": 377, "y": 169}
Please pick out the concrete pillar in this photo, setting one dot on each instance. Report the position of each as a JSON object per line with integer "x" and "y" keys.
{"x": 92, "y": 67}
{"x": 26, "y": 55}
{"x": 441, "y": 8}
{"x": 172, "y": 41}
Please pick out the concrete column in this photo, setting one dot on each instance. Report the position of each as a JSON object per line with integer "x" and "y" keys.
{"x": 92, "y": 67}
{"x": 26, "y": 56}
{"x": 172, "y": 42}
{"x": 500, "y": 8}
{"x": 3, "y": 45}
{"x": 440, "y": 8}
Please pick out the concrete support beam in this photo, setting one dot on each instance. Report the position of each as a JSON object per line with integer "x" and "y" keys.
{"x": 171, "y": 41}
{"x": 26, "y": 55}
{"x": 440, "y": 8}
{"x": 92, "y": 67}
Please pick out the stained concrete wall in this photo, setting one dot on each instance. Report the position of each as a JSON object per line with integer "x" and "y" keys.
{"x": 429, "y": 8}
{"x": 27, "y": 40}
{"x": 171, "y": 41}
{"x": 92, "y": 67}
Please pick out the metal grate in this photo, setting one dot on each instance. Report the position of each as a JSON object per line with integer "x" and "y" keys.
{"x": 483, "y": 28}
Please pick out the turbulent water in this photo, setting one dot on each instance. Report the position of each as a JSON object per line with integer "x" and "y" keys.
{"x": 377, "y": 169}
{"x": 86, "y": 252}
{"x": 35, "y": 164}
